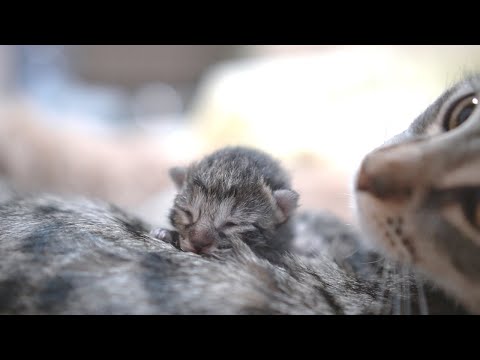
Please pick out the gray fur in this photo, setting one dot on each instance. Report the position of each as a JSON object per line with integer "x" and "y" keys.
{"x": 75, "y": 256}
{"x": 233, "y": 192}
{"x": 418, "y": 195}
{"x": 78, "y": 256}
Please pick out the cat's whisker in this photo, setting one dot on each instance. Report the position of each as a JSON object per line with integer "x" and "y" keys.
{"x": 422, "y": 299}
{"x": 350, "y": 255}
{"x": 372, "y": 262}
{"x": 215, "y": 256}
{"x": 396, "y": 303}
{"x": 383, "y": 286}
{"x": 406, "y": 289}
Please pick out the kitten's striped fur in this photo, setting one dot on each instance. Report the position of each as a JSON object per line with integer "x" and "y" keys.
{"x": 233, "y": 192}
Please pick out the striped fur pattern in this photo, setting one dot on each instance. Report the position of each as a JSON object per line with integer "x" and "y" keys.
{"x": 418, "y": 196}
{"x": 235, "y": 192}
{"x": 416, "y": 200}
{"x": 77, "y": 256}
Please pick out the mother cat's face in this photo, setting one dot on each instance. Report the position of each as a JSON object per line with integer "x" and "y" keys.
{"x": 418, "y": 196}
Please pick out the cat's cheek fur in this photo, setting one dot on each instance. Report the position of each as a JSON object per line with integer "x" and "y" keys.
{"x": 385, "y": 229}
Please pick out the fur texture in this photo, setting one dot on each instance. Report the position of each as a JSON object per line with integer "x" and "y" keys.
{"x": 418, "y": 195}
{"x": 75, "y": 256}
{"x": 236, "y": 192}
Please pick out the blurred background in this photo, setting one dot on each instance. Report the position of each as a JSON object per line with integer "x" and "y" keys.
{"x": 108, "y": 121}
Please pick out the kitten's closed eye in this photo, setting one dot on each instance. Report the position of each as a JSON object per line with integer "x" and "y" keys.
{"x": 189, "y": 215}
{"x": 460, "y": 112}
{"x": 229, "y": 224}
{"x": 183, "y": 216}
{"x": 240, "y": 228}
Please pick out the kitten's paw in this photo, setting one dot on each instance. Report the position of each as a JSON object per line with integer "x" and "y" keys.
{"x": 165, "y": 235}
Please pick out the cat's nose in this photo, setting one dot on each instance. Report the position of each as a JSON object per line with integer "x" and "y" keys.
{"x": 387, "y": 176}
{"x": 201, "y": 240}
{"x": 364, "y": 181}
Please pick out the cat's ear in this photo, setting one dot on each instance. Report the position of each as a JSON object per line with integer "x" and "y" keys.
{"x": 287, "y": 201}
{"x": 178, "y": 174}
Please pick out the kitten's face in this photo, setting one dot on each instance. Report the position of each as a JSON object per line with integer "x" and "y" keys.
{"x": 418, "y": 197}
{"x": 207, "y": 219}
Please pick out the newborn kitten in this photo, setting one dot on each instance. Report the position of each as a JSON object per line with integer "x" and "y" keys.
{"x": 236, "y": 191}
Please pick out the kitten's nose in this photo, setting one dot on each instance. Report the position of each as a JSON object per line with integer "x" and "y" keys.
{"x": 388, "y": 175}
{"x": 201, "y": 240}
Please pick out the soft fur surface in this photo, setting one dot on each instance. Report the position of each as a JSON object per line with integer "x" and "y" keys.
{"x": 418, "y": 195}
{"x": 75, "y": 256}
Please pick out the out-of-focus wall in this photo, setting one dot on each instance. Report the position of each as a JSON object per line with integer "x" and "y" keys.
{"x": 134, "y": 65}
{"x": 316, "y": 99}
{"x": 7, "y": 66}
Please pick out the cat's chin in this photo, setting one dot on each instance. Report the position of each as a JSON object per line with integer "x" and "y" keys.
{"x": 370, "y": 232}
{"x": 362, "y": 209}
{"x": 367, "y": 231}
{"x": 378, "y": 235}
{"x": 368, "y": 236}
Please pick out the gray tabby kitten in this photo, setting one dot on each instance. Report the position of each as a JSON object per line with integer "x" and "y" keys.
{"x": 234, "y": 192}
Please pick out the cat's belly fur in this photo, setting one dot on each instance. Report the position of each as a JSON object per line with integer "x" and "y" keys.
{"x": 80, "y": 257}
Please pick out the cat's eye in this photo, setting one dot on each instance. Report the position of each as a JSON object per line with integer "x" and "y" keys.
{"x": 460, "y": 112}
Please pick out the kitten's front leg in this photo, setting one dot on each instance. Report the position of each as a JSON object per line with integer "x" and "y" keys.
{"x": 168, "y": 236}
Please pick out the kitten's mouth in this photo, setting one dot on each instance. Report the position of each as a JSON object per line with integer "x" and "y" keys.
{"x": 186, "y": 246}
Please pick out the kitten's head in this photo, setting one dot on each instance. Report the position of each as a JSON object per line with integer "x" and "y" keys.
{"x": 418, "y": 196}
{"x": 212, "y": 207}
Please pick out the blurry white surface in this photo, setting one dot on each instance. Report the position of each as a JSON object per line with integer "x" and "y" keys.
{"x": 338, "y": 103}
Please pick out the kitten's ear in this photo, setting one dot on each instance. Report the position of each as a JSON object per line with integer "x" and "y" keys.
{"x": 178, "y": 174}
{"x": 287, "y": 201}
